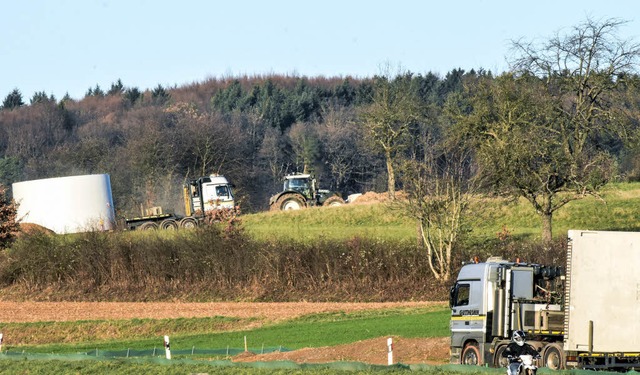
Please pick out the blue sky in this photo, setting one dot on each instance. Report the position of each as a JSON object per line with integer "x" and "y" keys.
{"x": 60, "y": 46}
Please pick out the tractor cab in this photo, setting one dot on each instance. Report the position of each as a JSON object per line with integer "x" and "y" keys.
{"x": 302, "y": 183}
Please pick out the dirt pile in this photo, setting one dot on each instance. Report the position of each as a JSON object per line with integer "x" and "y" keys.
{"x": 371, "y": 197}
{"x": 433, "y": 351}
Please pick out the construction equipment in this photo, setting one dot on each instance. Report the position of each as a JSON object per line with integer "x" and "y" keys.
{"x": 201, "y": 196}
{"x": 300, "y": 191}
{"x": 587, "y": 317}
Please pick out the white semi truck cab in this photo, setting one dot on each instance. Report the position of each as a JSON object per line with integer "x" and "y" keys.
{"x": 490, "y": 300}
{"x": 200, "y": 195}
{"x": 587, "y": 317}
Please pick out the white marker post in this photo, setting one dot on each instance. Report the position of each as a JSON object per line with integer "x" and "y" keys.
{"x": 167, "y": 347}
{"x": 390, "y": 351}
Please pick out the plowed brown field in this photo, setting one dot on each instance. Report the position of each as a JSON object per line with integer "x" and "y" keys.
{"x": 69, "y": 311}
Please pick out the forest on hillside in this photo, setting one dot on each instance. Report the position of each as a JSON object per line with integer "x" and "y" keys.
{"x": 580, "y": 124}
{"x": 254, "y": 130}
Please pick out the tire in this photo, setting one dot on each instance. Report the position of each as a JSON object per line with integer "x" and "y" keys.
{"x": 553, "y": 357}
{"x": 290, "y": 202}
{"x": 470, "y": 355}
{"x": 498, "y": 360}
{"x": 169, "y": 224}
{"x": 188, "y": 223}
{"x": 149, "y": 225}
{"x": 333, "y": 201}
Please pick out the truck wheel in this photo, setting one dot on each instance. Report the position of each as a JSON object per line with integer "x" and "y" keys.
{"x": 290, "y": 202}
{"x": 498, "y": 360}
{"x": 470, "y": 355}
{"x": 333, "y": 201}
{"x": 553, "y": 357}
{"x": 170, "y": 224}
{"x": 149, "y": 225}
{"x": 188, "y": 223}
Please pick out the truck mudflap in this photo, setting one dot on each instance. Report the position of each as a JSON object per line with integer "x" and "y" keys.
{"x": 454, "y": 355}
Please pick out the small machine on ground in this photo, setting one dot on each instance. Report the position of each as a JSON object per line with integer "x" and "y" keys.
{"x": 300, "y": 191}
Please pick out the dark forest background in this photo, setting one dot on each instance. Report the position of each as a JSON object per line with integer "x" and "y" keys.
{"x": 253, "y": 130}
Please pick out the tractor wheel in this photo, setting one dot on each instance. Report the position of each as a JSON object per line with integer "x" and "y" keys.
{"x": 149, "y": 225}
{"x": 290, "y": 202}
{"x": 333, "y": 201}
{"x": 170, "y": 224}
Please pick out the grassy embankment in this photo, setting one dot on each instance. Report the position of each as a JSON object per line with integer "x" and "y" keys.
{"x": 618, "y": 209}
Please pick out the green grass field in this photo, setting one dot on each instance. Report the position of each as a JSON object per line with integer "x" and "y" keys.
{"x": 618, "y": 208}
{"x": 308, "y": 331}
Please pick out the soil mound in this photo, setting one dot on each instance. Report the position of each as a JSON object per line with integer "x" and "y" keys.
{"x": 30, "y": 228}
{"x": 433, "y": 351}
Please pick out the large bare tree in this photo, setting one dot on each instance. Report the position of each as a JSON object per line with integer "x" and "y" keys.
{"x": 387, "y": 120}
{"x": 540, "y": 127}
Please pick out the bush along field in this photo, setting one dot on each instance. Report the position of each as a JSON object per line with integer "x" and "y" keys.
{"x": 207, "y": 264}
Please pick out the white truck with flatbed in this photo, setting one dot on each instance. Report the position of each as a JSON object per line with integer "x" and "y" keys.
{"x": 582, "y": 314}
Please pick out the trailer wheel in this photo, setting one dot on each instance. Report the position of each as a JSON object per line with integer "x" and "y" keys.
{"x": 333, "y": 201}
{"x": 498, "y": 360}
{"x": 149, "y": 225}
{"x": 553, "y": 357}
{"x": 188, "y": 223}
{"x": 470, "y": 355}
{"x": 169, "y": 224}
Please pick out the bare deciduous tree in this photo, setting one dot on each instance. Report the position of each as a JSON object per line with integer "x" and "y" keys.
{"x": 394, "y": 109}
{"x": 539, "y": 128}
{"x": 439, "y": 187}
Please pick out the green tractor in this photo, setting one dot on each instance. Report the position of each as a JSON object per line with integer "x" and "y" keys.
{"x": 300, "y": 191}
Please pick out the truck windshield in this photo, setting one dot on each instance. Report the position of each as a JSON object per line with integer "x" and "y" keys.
{"x": 222, "y": 191}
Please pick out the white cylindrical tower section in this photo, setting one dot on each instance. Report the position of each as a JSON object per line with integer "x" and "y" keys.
{"x": 67, "y": 204}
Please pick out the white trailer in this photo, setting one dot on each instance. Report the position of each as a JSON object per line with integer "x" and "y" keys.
{"x": 583, "y": 314}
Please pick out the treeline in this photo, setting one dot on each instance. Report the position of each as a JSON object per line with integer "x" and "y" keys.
{"x": 254, "y": 130}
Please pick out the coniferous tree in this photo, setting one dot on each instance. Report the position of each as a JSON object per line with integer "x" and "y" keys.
{"x": 41, "y": 97}
{"x": 97, "y": 91}
{"x": 117, "y": 88}
{"x": 159, "y": 95}
{"x": 13, "y": 100}
{"x": 132, "y": 95}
